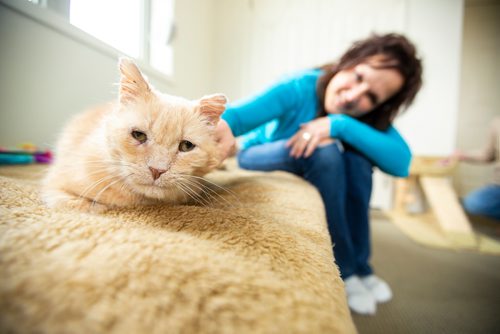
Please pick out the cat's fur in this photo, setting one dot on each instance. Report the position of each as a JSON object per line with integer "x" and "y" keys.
{"x": 100, "y": 160}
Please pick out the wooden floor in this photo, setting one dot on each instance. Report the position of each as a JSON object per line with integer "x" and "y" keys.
{"x": 435, "y": 291}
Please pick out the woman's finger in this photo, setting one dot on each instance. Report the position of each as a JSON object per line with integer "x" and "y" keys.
{"x": 297, "y": 148}
{"x": 311, "y": 146}
{"x": 292, "y": 140}
{"x": 300, "y": 144}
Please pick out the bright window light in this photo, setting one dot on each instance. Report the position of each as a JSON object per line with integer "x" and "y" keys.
{"x": 125, "y": 24}
{"x": 115, "y": 22}
{"x": 162, "y": 33}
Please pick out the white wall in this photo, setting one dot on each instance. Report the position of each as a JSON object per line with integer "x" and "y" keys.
{"x": 436, "y": 28}
{"x": 260, "y": 40}
{"x": 193, "y": 47}
{"x": 45, "y": 76}
{"x": 48, "y": 72}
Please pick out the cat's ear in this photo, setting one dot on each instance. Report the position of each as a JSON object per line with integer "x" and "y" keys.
{"x": 212, "y": 106}
{"x": 132, "y": 84}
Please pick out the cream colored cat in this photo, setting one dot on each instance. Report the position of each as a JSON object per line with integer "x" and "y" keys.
{"x": 147, "y": 147}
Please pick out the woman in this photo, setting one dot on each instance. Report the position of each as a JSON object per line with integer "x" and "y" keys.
{"x": 331, "y": 126}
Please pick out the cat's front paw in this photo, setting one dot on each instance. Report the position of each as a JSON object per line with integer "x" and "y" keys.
{"x": 98, "y": 208}
{"x": 61, "y": 200}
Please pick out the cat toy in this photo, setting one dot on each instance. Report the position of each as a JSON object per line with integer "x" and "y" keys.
{"x": 26, "y": 155}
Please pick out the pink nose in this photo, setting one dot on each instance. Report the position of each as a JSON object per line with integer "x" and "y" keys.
{"x": 156, "y": 172}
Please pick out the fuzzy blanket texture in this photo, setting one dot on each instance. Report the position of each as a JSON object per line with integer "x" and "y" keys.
{"x": 254, "y": 258}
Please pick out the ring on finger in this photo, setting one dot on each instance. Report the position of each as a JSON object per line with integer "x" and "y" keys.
{"x": 306, "y": 136}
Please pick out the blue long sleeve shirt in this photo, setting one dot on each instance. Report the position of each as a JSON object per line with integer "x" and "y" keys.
{"x": 277, "y": 113}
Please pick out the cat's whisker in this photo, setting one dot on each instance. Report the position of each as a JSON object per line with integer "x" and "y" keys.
{"x": 179, "y": 180}
{"x": 84, "y": 193}
{"x": 96, "y": 198}
{"x": 210, "y": 193}
{"x": 206, "y": 191}
{"x": 93, "y": 173}
{"x": 103, "y": 161}
{"x": 188, "y": 191}
{"x": 227, "y": 191}
{"x": 214, "y": 184}
{"x": 191, "y": 193}
{"x": 110, "y": 163}
{"x": 98, "y": 167}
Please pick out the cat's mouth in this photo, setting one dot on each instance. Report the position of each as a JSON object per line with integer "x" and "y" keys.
{"x": 153, "y": 184}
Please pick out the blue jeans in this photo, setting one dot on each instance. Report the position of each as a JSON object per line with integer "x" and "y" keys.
{"x": 344, "y": 180}
{"x": 484, "y": 202}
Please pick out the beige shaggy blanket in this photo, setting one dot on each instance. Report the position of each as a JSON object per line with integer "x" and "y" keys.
{"x": 254, "y": 258}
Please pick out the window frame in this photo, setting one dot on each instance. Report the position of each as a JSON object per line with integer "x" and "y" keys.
{"x": 38, "y": 12}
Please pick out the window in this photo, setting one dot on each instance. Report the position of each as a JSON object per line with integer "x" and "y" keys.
{"x": 161, "y": 35}
{"x": 142, "y": 29}
{"x": 115, "y": 22}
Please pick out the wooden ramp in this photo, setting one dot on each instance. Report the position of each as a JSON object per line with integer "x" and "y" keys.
{"x": 426, "y": 207}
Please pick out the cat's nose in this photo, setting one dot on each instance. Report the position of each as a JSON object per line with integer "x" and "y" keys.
{"x": 156, "y": 172}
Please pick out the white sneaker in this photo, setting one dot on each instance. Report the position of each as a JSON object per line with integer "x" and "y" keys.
{"x": 378, "y": 287}
{"x": 359, "y": 298}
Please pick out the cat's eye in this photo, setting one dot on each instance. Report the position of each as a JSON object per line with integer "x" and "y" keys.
{"x": 186, "y": 146}
{"x": 141, "y": 137}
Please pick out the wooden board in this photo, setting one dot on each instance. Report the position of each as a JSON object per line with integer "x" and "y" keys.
{"x": 447, "y": 209}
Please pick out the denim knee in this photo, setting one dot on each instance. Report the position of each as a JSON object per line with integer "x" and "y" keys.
{"x": 326, "y": 158}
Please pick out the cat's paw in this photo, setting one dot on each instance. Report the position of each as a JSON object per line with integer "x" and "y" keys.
{"x": 98, "y": 208}
{"x": 57, "y": 199}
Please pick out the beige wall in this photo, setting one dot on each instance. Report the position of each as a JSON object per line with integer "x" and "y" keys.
{"x": 480, "y": 86}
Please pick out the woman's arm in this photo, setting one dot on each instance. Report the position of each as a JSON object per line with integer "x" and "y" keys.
{"x": 248, "y": 114}
{"x": 386, "y": 149}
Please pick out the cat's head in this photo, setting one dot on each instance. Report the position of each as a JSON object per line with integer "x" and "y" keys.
{"x": 159, "y": 140}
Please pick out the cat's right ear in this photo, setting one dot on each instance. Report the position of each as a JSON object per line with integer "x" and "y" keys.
{"x": 212, "y": 107}
{"x": 133, "y": 85}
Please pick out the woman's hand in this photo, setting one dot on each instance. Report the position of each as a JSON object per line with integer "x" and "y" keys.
{"x": 225, "y": 139}
{"x": 454, "y": 158}
{"x": 310, "y": 135}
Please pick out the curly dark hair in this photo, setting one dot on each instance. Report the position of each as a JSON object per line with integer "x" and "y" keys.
{"x": 400, "y": 54}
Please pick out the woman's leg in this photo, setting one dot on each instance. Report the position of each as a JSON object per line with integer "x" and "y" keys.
{"x": 268, "y": 157}
{"x": 359, "y": 188}
{"x": 325, "y": 169}
{"x": 484, "y": 201}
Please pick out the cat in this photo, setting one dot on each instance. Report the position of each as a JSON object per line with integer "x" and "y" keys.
{"x": 145, "y": 148}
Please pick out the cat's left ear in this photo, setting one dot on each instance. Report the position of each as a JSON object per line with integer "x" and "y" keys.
{"x": 132, "y": 84}
{"x": 212, "y": 106}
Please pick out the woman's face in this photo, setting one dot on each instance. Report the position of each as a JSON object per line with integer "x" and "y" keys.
{"x": 359, "y": 90}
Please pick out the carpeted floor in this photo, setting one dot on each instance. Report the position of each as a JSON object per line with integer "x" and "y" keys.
{"x": 435, "y": 291}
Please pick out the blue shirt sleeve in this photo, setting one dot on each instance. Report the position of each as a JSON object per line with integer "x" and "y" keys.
{"x": 386, "y": 149}
{"x": 270, "y": 104}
